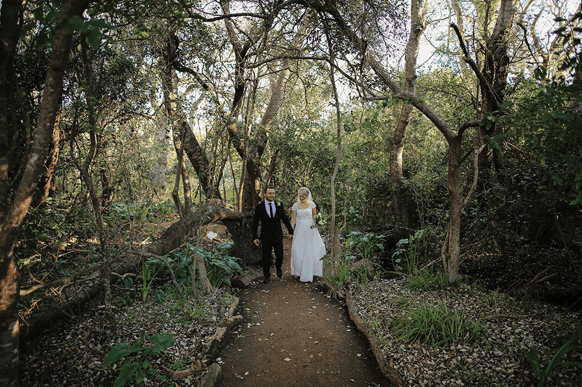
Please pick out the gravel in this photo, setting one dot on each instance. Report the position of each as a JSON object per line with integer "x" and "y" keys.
{"x": 499, "y": 358}
{"x": 72, "y": 354}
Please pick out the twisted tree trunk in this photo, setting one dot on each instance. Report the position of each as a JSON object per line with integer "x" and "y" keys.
{"x": 13, "y": 218}
{"x": 399, "y": 191}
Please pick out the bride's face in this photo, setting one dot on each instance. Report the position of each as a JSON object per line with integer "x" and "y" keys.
{"x": 303, "y": 197}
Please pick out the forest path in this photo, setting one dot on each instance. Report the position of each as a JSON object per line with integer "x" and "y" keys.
{"x": 295, "y": 335}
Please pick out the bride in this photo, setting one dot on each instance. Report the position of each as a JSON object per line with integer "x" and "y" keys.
{"x": 308, "y": 248}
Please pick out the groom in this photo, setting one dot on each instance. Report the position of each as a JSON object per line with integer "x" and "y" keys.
{"x": 270, "y": 214}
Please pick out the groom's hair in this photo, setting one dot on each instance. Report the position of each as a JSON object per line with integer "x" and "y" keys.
{"x": 269, "y": 187}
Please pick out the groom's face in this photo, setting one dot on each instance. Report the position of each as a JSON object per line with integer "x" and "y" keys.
{"x": 270, "y": 194}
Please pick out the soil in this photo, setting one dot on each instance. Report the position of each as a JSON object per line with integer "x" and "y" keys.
{"x": 293, "y": 334}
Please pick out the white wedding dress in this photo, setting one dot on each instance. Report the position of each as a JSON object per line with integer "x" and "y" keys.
{"x": 308, "y": 247}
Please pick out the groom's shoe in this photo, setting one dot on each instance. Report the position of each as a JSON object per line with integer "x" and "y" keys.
{"x": 267, "y": 280}
{"x": 279, "y": 273}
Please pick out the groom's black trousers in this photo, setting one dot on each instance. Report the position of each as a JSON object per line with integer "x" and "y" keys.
{"x": 268, "y": 246}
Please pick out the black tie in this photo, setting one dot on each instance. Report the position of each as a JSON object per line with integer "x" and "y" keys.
{"x": 271, "y": 209}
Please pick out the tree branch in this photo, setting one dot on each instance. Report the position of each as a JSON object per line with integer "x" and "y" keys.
{"x": 473, "y": 65}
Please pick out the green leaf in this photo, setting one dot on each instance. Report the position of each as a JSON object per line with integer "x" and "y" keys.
{"x": 140, "y": 376}
{"x": 126, "y": 373}
{"x": 118, "y": 352}
{"x": 161, "y": 342}
{"x": 93, "y": 38}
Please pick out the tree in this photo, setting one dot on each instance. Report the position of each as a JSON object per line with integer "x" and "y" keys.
{"x": 451, "y": 246}
{"x": 9, "y": 276}
{"x": 399, "y": 192}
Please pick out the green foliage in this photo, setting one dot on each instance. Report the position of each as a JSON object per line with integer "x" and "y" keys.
{"x": 425, "y": 280}
{"x": 182, "y": 258}
{"x": 219, "y": 265}
{"x": 550, "y": 117}
{"x": 47, "y": 232}
{"x": 544, "y": 369}
{"x": 364, "y": 244}
{"x": 149, "y": 269}
{"x": 342, "y": 275}
{"x": 555, "y": 140}
{"x": 137, "y": 366}
{"x": 436, "y": 325}
{"x": 142, "y": 210}
{"x": 407, "y": 256}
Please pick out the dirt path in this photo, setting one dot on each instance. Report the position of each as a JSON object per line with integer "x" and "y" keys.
{"x": 294, "y": 335}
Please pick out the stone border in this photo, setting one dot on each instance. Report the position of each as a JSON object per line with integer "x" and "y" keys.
{"x": 389, "y": 372}
{"x": 212, "y": 372}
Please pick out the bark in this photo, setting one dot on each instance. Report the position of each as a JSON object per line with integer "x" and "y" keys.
{"x": 106, "y": 190}
{"x": 88, "y": 179}
{"x": 28, "y": 184}
{"x": 495, "y": 71}
{"x": 8, "y": 39}
{"x": 335, "y": 258}
{"x": 183, "y": 174}
{"x": 47, "y": 181}
{"x": 454, "y": 231}
{"x": 190, "y": 144}
{"x": 399, "y": 192}
{"x": 9, "y": 326}
{"x": 162, "y": 159}
{"x": 458, "y": 13}
{"x": 278, "y": 88}
{"x": 199, "y": 161}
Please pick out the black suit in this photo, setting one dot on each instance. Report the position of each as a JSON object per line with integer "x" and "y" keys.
{"x": 271, "y": 235}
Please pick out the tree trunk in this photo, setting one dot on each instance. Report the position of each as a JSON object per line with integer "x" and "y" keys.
{"x": 162, "y": 159}
{"x": 335, "y": 235}
{"x": 88, "y": 179}
{"x": 28, "y": 184}
{"x": 9, "y": 34}
{"x": 9, "y": 325}
{"x": 400, "y": 194}
{"x": 242, "y": 236}
{"x": 47, "y": 181}
{"x": 454, "y": 233}
{"x": 495, "y": 71}
{"x": 190, "y": 145}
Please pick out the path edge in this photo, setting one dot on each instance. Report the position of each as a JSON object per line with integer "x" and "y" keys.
{"x": 213, "y": 371}
{"x": 389, "y": 372}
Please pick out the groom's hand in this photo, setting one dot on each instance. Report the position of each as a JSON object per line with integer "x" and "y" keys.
{"x": 256, "y": 242}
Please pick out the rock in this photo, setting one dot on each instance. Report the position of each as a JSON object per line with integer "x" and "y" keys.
{"x": 244, "y": 280}
{"x": 210, "y": 378}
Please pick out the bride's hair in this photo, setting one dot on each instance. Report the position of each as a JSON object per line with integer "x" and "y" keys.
{"x": 306, "y": 191}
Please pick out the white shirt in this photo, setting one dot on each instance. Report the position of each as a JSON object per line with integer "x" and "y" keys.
{"x": 268, "y": 208}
